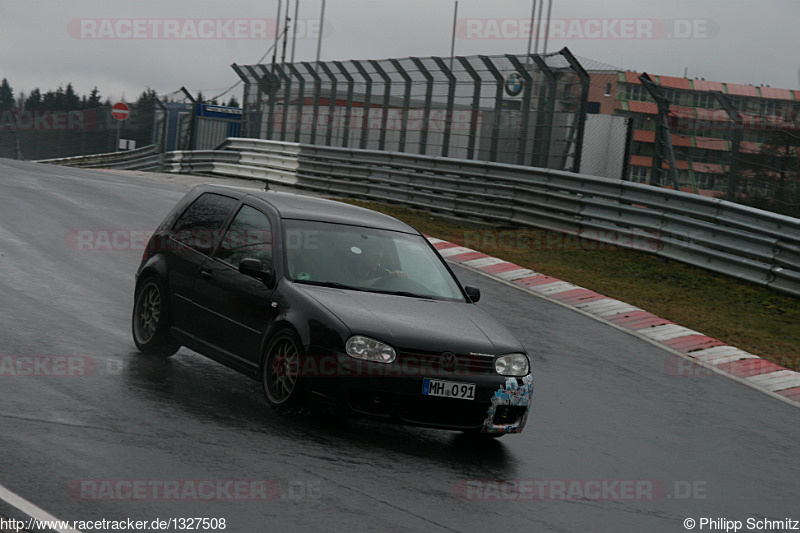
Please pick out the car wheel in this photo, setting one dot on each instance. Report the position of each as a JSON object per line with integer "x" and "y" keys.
{"x": 280, "y": 375}
{"x": 149, "y": 322}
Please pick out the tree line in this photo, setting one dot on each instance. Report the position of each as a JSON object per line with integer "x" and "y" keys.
{"x": 66, "y": 99}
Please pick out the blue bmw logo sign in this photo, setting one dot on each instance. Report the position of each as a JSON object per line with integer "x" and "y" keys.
{"x": 514, "y": 84}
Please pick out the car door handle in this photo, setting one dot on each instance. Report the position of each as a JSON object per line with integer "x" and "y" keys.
{"x": 206, "y": 274}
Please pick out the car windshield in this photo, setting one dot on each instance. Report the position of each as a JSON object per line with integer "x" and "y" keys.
{"x": 366, "y": 259}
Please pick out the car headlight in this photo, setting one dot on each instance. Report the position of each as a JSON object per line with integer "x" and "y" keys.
{"x": 368, "y": 349}
{"x": 514, "y": 364}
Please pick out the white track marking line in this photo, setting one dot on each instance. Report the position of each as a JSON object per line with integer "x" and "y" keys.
{"x": 21, "y": 504}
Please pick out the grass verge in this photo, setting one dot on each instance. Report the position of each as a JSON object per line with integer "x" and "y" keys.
{"x": 750, "y": 317}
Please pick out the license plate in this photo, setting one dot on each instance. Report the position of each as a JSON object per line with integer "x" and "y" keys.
{"x": 448, "y": 389}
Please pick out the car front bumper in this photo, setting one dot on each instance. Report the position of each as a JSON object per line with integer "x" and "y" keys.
{"x": 501, "y": 404}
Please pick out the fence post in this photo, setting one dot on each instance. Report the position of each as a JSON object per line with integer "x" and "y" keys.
{"x": 733, "y": 157}
{"x": 476, "y": 105}
{"x": 301, "y": 95}
{"x": 317, "y": 90}
{"x": 423, "y": 134}
{"x": 544, "y": 114}
{"x": 663, "y": 134}
{"x": 579, "y": 132}
{"x": 451, "y": 95}
{"x": 498, "y": 106}
{"x": 349, "y": 104}
{"x": 387, "y": 83}
{"x": 367, "y": 102}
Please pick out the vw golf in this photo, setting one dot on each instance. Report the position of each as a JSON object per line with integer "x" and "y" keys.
{"x": 320, "y": 300}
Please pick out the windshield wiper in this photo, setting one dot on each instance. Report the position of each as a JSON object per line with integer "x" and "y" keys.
{"x": 403, "y": 293}
{"x": 336, "y": 285}
{"x": 329, "y": 284}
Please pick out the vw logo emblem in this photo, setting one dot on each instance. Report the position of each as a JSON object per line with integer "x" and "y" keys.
{"x": 448, "y": 361}
{"x": 514, "y": 84}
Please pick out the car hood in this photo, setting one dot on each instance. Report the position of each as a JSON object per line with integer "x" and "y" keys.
{"x": 417, "y": 324}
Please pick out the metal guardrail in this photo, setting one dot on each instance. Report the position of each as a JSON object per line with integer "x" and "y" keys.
{"x": 717, "y": 235}
{"x": 144, "y": 158}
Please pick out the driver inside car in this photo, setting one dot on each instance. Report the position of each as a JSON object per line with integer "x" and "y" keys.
{"x": 369, "y": 265}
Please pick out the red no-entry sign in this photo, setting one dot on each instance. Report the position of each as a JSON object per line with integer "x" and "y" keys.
{"x": 120, "y": 111}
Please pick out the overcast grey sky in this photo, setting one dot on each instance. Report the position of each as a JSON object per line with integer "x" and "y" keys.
{"x": 193, "y": 42}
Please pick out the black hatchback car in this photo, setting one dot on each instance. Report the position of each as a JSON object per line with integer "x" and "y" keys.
{"x": 320, "y": 300}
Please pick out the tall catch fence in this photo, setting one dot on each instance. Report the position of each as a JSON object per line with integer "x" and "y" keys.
{"x": 517, "y": 109}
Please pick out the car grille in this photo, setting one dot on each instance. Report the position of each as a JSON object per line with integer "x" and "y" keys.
{"x": 446, "y": 364}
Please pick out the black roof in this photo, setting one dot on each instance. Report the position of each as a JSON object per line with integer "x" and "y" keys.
{"x": 300, "y": 207}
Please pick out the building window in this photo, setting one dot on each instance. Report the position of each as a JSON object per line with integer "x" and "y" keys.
{"x": 639, "y": 174}
{"x": 608, "y": 89}
{"x": 703, "y": 100}
{"x": 637, "y": 92}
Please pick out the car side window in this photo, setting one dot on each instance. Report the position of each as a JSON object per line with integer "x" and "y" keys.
{"x": 248, "y": 237}
{"x": 200, "y": 224}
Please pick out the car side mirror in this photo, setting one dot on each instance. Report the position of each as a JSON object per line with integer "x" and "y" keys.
{"x": 255, "y": 268}
{"x": 474, "y": 293}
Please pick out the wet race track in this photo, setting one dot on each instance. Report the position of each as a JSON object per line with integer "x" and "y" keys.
{"x": 617, "y": 440}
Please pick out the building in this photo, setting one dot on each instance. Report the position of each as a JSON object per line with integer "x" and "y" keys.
{"x": 703, "y": 133}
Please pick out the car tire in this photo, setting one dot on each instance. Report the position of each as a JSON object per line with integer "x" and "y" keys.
{"x": 150, "y": 322}
{"x": 283, "y": 386}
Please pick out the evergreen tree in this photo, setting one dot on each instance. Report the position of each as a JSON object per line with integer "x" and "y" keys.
{"x": 233, "y": 102}
{"x": 94, "y": 99}
{"x": 144, "y": 116}
{"x": 34, "y": 100}
{"x": 71, "y": 100}
{"x": 6, "y": 95}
